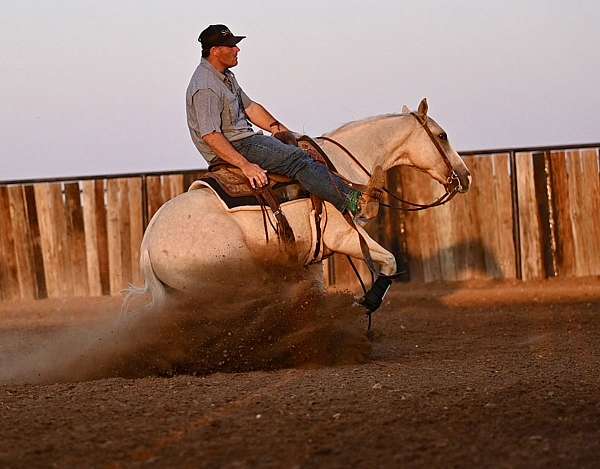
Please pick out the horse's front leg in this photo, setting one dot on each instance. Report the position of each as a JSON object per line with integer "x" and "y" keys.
{"x": 342, "y": 238}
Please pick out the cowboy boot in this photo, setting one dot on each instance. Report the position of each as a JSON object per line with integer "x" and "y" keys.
{"x": 368, "y": 204}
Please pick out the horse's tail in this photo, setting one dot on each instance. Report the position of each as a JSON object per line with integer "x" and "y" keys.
{"x": 152, "y": 285}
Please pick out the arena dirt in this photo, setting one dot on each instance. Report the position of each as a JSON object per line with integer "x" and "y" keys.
{"x": 477, "y": 374}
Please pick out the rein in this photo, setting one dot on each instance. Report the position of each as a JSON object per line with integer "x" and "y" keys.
{"x": 413, "y": 207}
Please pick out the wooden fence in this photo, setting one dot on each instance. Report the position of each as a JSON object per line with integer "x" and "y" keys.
{"x": 531, "y": 214}
{"x": 77, "y": 237}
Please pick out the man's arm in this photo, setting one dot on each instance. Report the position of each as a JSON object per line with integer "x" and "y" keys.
{"x": 262, "y": 118}
{"x": 208, "y": 113}
{"x": 225, "y": 150}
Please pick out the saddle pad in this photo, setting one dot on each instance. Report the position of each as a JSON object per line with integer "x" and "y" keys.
{"x": 286, "y": 192}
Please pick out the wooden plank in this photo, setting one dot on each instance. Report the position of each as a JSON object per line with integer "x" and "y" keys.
{"x": 59, "y": 229}
{"x": 38, "y": 257}
{"x": 591, "y": 196}
{"x": 174, "y": 183}
{"x": 481, "y": 256}
{"x": 91, "y": 237}
{"x": 165, "y": 189}
{"x": 471, "y": 248}
{"x": 493, "y": 252}
{"x": 393, "y": 227}
{"x": 465, "y": 247}
{"x": 136, "y": 227}
{"x": 501, "y": 232}
{"x": 9, "y": 277}
{"x": 114, "y": 237}
{"x": 160, "y": 189}
{"x": 154, "y": 191}
{"x": 563, "y": 223}
{"x": 422, "y": 237}
{"x": 531, "y": 248}
{"x": 124, "y": 232}
{"x": 583, "y": 194}
{"x": 443, "y": 220}
{"x": 76, "y": 239}
{"x": 50, "y": 252}
{"x": 102, "y": 234}
{"x": 543, "y": 198}
{"x": 414, "y": 254}
{"x": 577, "y": 210}
{"x": 23, "y": 242}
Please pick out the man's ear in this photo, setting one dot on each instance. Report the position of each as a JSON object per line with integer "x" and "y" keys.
{"x": 405, "y": 109}
{"x": 423, "y": 108}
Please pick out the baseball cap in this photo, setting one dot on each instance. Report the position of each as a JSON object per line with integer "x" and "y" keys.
{"x": 218, "y": 35}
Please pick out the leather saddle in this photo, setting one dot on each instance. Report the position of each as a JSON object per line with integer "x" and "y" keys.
{"x": 232, "y": 183}
{"x": 234, "y": 189}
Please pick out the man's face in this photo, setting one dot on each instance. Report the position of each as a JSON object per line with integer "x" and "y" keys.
{"x": 227, "y": 55}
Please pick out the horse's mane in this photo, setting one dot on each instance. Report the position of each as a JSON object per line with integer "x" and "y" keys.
{"x": 356, "y": 123}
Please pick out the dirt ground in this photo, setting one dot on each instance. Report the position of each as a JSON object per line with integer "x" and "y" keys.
{"x": 462, "y": 375}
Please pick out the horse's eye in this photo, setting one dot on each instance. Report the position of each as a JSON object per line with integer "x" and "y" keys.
{"x": 443, "y": 136}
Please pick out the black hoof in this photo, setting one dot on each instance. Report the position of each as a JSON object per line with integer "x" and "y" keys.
{"x": 374, "y": 297}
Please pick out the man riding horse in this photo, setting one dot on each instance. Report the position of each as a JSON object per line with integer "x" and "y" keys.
{"x": 220, "y": 114}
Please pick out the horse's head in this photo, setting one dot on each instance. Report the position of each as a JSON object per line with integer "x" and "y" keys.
{"x": 427, "y": 148}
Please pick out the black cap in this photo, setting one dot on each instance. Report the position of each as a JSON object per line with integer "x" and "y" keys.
{"x": 218, "y": 35}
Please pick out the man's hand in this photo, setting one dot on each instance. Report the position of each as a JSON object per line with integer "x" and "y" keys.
{"x": 255, "y": 174}
{"x": 223, "y": 148}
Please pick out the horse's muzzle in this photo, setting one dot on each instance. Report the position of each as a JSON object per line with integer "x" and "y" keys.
{"x": 460, "y": 182}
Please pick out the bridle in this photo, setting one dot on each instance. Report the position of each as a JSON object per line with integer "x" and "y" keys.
{"x": 453, "y": 181}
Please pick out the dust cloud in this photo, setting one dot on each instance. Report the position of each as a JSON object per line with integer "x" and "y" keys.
{"x": 280, "y": 319}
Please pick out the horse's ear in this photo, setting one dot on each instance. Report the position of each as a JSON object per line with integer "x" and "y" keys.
{"x": 405, "y": 109}
{"x": 423, "y": 107}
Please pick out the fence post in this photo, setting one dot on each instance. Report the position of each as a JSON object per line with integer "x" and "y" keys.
{"x": 514, "y": 180}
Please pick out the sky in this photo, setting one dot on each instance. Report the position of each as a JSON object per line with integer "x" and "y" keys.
{"x": 94, "y": 87}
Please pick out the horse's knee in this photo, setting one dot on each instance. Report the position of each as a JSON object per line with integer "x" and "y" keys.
{"x": 388, "y": 266}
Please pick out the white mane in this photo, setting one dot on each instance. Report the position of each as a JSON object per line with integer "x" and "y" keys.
{"x": 352, "y": 124}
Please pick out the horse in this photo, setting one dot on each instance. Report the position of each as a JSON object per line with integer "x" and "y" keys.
{"x": 193, "y": 243}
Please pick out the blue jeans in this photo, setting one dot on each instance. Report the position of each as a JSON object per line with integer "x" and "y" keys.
{"x": 279, "y": 158}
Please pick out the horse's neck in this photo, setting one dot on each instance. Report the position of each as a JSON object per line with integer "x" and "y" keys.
{"x": 373, "y": 142}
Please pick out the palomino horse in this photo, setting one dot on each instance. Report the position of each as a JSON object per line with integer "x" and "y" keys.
{"x": 194, "y": 244}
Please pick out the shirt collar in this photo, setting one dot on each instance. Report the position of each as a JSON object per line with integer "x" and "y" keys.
{"x": 209, "y": 66}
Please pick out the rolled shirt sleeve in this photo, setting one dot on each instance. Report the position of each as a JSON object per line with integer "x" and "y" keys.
{"x": 208, "y": 109}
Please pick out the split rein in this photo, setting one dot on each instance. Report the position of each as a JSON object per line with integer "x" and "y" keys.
{"x": 413, "y": 206}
